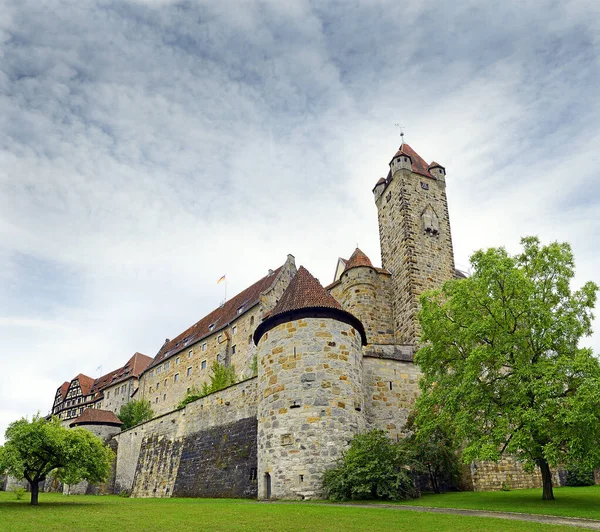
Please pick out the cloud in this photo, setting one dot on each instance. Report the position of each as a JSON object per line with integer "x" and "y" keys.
{"x": 149, "y": 147}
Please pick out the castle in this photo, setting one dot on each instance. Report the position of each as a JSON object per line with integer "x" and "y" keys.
{"x": 332, "y": 362}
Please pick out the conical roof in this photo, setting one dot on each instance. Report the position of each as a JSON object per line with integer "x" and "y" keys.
{"x": 358, "y": 258}
{"x": 304, "y": 291}
{"x": 305, "y": 297}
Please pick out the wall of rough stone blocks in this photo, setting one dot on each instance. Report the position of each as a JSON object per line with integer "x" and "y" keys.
{"x": 150, "y": 455}
{"x": 509, "y": 472}
{"x": 390, "y": 390}
{"x": 310, "y": 407}
{"x": 366, "y": 294}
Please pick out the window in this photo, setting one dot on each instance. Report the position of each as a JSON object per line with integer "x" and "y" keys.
{"x": 211, "y": 326}
{"x": 252, "y": 320}
{"x": 204, "y": 346}
{"x": 234, "y": 329}
{"x": 249, "y": 338}
{"x": 156, "y": 400}
{"x": 190, "y": 353}
{"x": 219, "y": 338}
{"x": 167, "y": 365}
{"x": 240, "y": 310}
{"x": 108, "y": 395}
{"x": 150, "y": 389}
{"x": 189, "y": 371}
{"x": 151, "y": 373}
{"x": 164, "y": 397}
{"x": 177, "y": 360}
{"x": 176, "y": 377}
{"x": 233, "y": 349}
{"x": 165, "y": 382}
{"x": 158, "y": 369}
{"x": 203, "y": 366}
{"x": 157, "y": 385}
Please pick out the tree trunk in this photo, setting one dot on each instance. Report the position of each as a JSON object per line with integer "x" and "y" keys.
{"x": 35, "y": 488}
{"x": 547, "y": 493}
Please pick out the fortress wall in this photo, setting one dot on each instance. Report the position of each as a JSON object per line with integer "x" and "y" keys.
{"x": 386, "y": 408}
{"x": 490, "y": 476}
{"x": 182, "y": 451}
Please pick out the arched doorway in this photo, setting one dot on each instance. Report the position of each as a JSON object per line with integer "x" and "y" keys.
{"x": 267, "y": 486}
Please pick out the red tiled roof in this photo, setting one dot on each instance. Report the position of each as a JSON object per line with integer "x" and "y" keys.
{"x": 93, "y": 416}
{"x": 419, "y": 166}
{"x": 219, "y": 317}
{"x": 358, "y": 258}
{"x": 304, "y": 291}
{"x": 133, "y": 368}
{"x": 435, "y": 165}
{"x": 85, "y": 383}
{"x": 64, "y": 388}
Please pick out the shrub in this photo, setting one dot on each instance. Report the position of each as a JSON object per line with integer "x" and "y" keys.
{"x": 19, "y": 493}
{"x": 134, "y": 413}
{"x": 373, "y": 467}
{"x": 221, "y": 377}
{"x": 579, "y": 476}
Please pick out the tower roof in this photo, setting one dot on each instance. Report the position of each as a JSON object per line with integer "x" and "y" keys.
{"x": 94, "y": 416}
{"x": 419, "y": 166}
{"x": 304, "y": 298}
{"x": 304, "y": 291}
{"x": 358, "y": 258}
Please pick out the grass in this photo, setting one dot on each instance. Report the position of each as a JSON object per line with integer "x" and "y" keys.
{"x": 89, "y": 513}
{"x": 569, "y": 502}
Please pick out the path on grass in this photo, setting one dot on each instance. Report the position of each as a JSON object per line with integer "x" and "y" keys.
{"x": 513, "y": 516}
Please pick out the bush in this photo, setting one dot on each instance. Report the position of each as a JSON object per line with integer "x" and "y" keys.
{"x": 372, "y": 468}
{"x": 134, "y": 413}
{"x": 578, "y": 476}
{"x": 19, "y": 493}
{"x": 221, "y": 377}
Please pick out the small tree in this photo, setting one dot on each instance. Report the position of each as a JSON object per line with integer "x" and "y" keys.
{"x": 373, "y": 467}
{"x": 502, "y": 363}
{"x": 33, "y": 449}
{"x": 221, "y": 377}
{"x": 135, "y": 412}
{"x": 433, "y": 452}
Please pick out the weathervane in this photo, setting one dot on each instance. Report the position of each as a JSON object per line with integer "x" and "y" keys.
{"x": 401, "y": 128}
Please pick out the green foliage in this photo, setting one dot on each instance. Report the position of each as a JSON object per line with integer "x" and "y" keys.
{"x": 125, "y": 494}
{"x": 502, "y": 363}
{"x": 373, "y": 467}
{"x": 505, "y": 486}
{"x": 221, "y": 377}
{"x": 578, "y": 476}
{"x": 254, "y": 366}
{"x": 33, "y": 449}
{"x": 433, "y": 452}
{"x": 135, "y": 412}
{"x": 19, "y": 493}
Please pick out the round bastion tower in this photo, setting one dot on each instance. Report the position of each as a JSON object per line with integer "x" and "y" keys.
{"x": 310, "y": 389}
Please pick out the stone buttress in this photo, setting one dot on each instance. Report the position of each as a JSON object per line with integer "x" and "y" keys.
{"x": 310, "y": 401}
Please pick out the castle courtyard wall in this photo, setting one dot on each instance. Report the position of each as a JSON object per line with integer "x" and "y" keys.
{"x": 206, "y": 449}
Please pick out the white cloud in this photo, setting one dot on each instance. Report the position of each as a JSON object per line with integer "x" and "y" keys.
{"x": 148, "y": 147}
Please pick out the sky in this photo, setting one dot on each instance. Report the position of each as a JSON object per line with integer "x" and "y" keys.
{"x": 149, "y": 147}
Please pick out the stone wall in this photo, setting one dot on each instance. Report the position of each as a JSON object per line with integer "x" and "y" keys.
{"x": 416, "y": 244}
{"x": 366, "y": 294}
{"x": 182, "y": 451}
{"x": 390, "y": 390}
{"x": 508, "y": 472}
{"x": 310, "y": 374}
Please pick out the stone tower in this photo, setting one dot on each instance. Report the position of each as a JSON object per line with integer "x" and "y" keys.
{"x": 309, "y": 389}
{"x": 414, "y": 232}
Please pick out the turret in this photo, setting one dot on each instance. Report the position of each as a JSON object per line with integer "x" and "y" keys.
{"x": 310, "y": 389}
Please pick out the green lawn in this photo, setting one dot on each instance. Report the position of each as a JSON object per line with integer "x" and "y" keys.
{"x": 88, "y": 513}
{"x": 569, "y": 502}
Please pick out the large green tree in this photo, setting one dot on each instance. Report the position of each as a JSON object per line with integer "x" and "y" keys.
{"x": 502, "y": 361}
{"x": 33, "y": 449}
{"x": 135, "y": 412}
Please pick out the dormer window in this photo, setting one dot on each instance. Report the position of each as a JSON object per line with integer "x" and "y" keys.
{"x": 240, "y": 310}
{"x": 211, "y": 327}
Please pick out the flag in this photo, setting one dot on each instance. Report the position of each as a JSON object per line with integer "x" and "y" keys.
{"x": 221, "y": 279}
